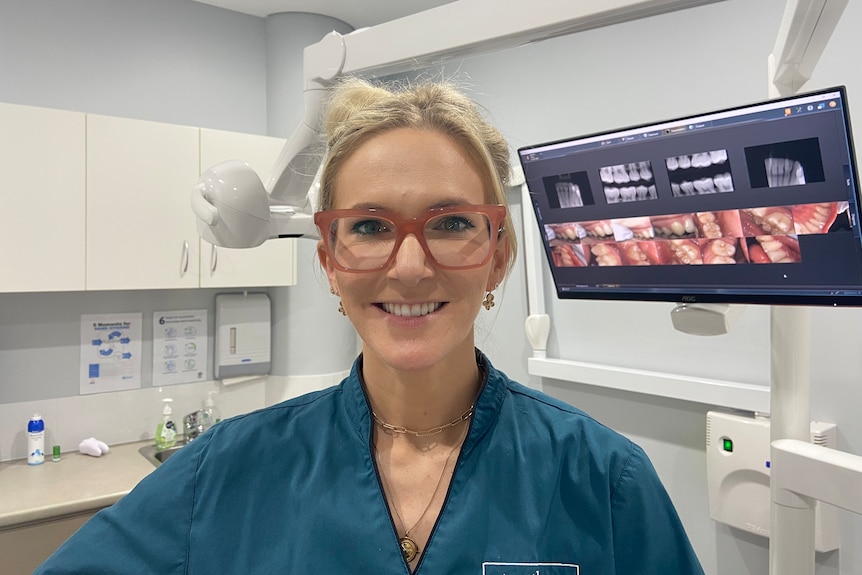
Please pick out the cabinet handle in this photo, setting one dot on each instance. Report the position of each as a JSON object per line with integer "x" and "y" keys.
{"x": 214, "y": 259}
{"x": 185, "y": 259}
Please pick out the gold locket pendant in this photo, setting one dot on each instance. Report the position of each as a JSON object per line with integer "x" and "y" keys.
{"x": 409, "y": 549}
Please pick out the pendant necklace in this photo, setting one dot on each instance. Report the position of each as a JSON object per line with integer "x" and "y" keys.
{"x": 409, "y": 547}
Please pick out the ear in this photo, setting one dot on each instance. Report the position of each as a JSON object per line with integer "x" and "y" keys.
{"x": 326, "y": 265}
{"x": 499, "y": 263}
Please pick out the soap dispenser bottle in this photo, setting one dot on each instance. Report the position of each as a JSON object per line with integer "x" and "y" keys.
{"x": 209, "y": 414}
{"x": 166, "y": 430}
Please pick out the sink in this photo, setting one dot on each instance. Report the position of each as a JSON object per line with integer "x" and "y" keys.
{"x": 158, "y": 456}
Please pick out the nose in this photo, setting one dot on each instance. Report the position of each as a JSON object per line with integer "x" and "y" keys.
{"x": 411, "y": 265}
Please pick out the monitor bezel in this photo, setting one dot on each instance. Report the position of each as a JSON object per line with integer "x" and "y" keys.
{"x": 695, "y": 294}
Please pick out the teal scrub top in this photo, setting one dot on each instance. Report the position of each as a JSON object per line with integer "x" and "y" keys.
{"x": 539, "y": 488}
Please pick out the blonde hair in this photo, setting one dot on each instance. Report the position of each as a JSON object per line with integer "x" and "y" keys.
{"x": 359, "y": 110}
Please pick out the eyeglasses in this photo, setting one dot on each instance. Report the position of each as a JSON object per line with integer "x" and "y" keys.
{"x": 454, "y": 237}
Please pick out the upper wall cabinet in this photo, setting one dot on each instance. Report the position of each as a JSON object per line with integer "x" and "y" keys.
{"x": 42, "y": 199}
{"x": 274, "y": 262}
{"x": 95, "y": 202}
{"x": 140, "y": 228}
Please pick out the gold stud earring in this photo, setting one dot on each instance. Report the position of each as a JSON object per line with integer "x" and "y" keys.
{"x": 488, "y": 302}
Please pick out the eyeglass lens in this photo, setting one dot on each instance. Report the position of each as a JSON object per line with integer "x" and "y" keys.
{"x": 454, "y": 239}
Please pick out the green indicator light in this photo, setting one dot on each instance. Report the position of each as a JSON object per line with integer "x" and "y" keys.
{"x": 728, "y": 445}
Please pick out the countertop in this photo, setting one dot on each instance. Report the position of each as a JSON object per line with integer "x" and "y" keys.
{"x": 75, "y": 484}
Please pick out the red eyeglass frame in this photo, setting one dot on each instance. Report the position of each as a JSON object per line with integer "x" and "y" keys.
{"x": 496, "y": 214}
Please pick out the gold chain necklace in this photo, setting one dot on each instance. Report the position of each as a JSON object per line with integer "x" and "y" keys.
{"x": 433, "y": 431}
{"x": 409, "y": 547}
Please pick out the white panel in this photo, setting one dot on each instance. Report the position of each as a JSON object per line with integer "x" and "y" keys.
{"x": 139, "y": 175}
{"x": 42, "y": 199}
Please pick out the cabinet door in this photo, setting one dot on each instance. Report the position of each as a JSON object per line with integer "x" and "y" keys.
{"x": 23, "y": 549}
{"x": 42, "y": 199}
{"x": 273, "y": 262}
{"x": 140, "y": 229}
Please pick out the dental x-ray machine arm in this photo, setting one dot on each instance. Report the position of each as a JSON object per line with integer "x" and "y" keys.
{"x": 233, "y": 207}
{"x": 800, "y": 472}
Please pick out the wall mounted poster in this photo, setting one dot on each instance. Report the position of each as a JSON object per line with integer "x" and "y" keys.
{"x": 179, "y": 346}
{"x": 110, "y": 352}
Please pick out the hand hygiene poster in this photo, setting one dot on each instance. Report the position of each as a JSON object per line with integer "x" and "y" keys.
{"x": 179, "y": 346}
{"x": 110, "y": 352}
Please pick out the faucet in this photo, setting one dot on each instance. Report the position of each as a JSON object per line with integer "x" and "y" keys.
{"x": 192, "y": 425}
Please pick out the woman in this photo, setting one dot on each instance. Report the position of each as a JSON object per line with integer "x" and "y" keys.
{"x": 425, "y": 459}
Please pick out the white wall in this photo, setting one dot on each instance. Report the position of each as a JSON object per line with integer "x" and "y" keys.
{"x": 91, "y": 55}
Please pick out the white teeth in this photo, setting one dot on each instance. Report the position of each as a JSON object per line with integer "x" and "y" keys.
{"x": 700, "y": 160}
{"x": 645, "y": 171}
{"x": 718, "y": 156}
{"x": 687, "y": 188}
{"x": 620, "y": 175}
{"x": 607, "y": 174}
{"x": 684, "y": 162}
{"x": 415, "y": 310}
{"x": 628, "y": 193}
{"x": 724, "y": 182}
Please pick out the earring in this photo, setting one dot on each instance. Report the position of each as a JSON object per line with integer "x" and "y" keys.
{"x": 333, "y": 291}
{"x": 488, "y": 302}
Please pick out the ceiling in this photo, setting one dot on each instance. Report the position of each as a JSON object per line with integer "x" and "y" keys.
{"x": 356, "y": 13}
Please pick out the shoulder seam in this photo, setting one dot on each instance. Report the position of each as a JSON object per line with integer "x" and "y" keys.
{"x": 623, "y": 471}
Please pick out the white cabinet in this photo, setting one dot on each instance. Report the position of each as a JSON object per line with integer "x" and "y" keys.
{"x": 270, "y": 264}
{"x": 140, "y": 229}
{"x": 41, "y": 199}
{"x": 95, "y": 202}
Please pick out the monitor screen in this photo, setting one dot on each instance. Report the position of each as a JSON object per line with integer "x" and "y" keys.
{"x": 753, "y": 204}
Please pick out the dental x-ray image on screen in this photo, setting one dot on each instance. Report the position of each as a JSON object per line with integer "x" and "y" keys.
{"x": 752, "y": 204}
{"x": 568, "y": 190}
{"x": 784, "y": 164}
{"x": 699, "y": 173}
{"x": 632, "y": 182}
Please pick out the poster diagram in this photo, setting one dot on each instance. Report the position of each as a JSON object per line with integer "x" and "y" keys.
{"x": 179, "y": 346}
{"x": 110, "y": 352}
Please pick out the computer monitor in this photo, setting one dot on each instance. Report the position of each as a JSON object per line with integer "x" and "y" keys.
{"x": 752, "y": 204}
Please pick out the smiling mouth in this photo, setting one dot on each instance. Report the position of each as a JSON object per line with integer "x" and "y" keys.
{"x": 415, "y": 310}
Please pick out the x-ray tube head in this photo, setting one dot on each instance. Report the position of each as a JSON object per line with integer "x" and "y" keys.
{"x": 232, "y": 206}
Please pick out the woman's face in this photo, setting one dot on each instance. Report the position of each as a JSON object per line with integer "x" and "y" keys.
{"x": 412, "y": 315}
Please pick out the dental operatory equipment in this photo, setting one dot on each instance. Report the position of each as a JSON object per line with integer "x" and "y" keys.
{"x": 235, "y": 209}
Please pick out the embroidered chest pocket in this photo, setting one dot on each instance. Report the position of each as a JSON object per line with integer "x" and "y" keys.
{"x": 530, "y": 569}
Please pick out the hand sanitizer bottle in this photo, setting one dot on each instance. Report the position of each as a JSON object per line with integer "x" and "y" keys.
{"x": 166, "y": 430}
{"x": 210, "y": 413}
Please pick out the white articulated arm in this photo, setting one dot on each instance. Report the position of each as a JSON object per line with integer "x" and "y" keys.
{"x": 233, "y": 207}
{"x": 818, "y": 472}
{"x": 803, "y": 34}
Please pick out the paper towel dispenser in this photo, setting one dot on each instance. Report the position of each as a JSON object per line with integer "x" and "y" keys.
{"x": 243, "y": 335}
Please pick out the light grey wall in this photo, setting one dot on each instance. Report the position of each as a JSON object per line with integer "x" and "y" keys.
{"x": 177, "y": 62}
{"x": 161, "y": 60}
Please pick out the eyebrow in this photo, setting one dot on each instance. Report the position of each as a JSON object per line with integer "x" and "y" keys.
{"x": 445, "y": 203}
